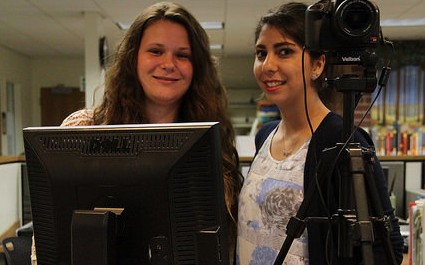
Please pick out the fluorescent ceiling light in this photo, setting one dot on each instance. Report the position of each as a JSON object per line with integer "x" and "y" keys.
{"x": 212, "y": 25}
{"x": 216, "y": 46}
{"x": 205, "y": 25}
{"x": 123, "y": 25}
{"x": 409, "y": 22}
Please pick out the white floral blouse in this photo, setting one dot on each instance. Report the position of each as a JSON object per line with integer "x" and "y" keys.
{"x": 272, "y": 193}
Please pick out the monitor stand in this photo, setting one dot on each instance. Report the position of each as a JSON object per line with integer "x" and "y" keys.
{"x": 93, "y": 236}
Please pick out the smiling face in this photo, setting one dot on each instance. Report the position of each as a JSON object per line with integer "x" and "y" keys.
{"x": 278, "y": 67}
{"x": 164, "y": 65}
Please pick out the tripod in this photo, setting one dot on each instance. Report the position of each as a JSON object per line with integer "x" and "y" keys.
{"x": 356, "y": 188}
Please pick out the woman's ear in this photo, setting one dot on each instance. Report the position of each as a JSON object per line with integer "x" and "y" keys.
{"x": 319, "y": 65}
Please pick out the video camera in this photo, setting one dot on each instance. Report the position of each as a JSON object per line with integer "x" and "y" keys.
{"x": 340, "y": 25}
{"x": 348, "y": 33}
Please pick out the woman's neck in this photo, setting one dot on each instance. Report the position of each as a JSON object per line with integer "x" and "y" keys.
{"x": 294, "y": 130}
{"x": 161, "y": 114}
{"x": 294, "y": 122}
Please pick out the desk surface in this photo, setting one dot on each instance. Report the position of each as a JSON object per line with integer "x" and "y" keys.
{"x": 11, "y": 159}
{"x": 11, "y": 231}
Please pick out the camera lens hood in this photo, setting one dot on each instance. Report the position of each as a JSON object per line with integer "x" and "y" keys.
{"x": 356, "y": 18}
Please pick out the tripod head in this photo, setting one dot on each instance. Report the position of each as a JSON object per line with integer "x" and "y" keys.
{"x": 361, "y": 79}
{"x": 358, "y": 76}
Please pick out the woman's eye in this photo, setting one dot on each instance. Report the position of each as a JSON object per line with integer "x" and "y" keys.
{"x": 155, "y": 51}
{"x": 183, "y": 55}
{"x": 285, "y": 52}
{"x": 260, "y": 54}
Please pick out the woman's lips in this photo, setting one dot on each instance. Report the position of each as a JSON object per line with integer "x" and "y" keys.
{"x": 273, "y": 85}
{"x": 164, "y": 78}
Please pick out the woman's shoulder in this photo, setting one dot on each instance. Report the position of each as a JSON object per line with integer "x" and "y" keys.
{"x": 264, "y": 131}
{"x": 81, "y": 117}
{"x": 332, "y": 128}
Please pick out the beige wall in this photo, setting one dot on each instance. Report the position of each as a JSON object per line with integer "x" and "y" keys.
{"x": 16, "y": 68}
{"x": 29, "y": 75}
{"x": 50, "y": 72}
{"x": 236, "y": 72}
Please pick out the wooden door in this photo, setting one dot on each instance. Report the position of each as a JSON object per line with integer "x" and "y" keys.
{"x": 58, "y": 102}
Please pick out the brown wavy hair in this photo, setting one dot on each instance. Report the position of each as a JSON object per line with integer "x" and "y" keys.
{"x": 205, "y": 100}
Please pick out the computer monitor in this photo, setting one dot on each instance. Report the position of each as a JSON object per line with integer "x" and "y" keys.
{"x": 157, "y": 188}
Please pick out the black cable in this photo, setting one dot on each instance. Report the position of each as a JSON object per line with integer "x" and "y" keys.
{"x": 311, "y": 129}
{"x": 313, "y": 142}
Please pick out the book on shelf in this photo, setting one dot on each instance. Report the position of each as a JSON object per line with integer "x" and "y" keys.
{"x": 416, "y": 224}
{"x": 390, "y": 140}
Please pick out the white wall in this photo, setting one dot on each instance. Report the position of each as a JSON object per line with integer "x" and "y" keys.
{"x": 16, "y": 68}
{"x": 10, "y": 194}
{"x": 236, "y": 72}
{"x": 29, "y": 75}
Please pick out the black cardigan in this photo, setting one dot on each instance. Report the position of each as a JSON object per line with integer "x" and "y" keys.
{"x": 327, "y": 135}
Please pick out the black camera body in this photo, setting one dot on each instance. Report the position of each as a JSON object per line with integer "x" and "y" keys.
{"x": 342, "y": 25}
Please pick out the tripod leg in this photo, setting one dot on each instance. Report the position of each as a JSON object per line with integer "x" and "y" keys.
{"x": 364, "y": 188}
{"x": 363, "y": 218}
{"x": 382, "y": 224}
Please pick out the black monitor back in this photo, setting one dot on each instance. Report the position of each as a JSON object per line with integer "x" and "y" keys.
{"x": 167, "y": 178}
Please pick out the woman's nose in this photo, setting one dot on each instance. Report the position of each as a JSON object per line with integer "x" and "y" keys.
{"x": 269, "y": 64}
{"x": 167, "y": 62}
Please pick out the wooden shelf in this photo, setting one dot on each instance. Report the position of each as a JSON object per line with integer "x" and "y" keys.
{"x": 243, "y": 105}
{"x": 248, "y": 159}
{"x": 402, "y": 158}
{"x": 242, "y": 125}
{"x": 11, "y": 159}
